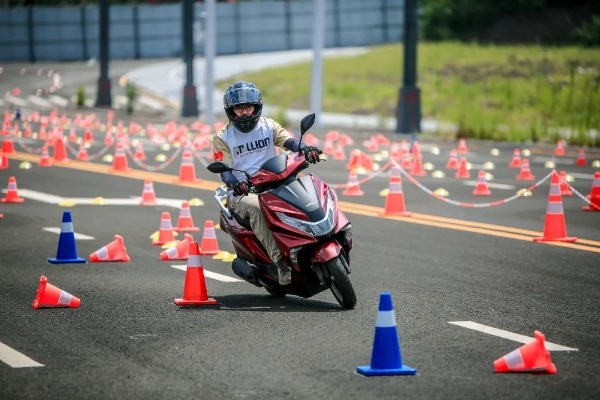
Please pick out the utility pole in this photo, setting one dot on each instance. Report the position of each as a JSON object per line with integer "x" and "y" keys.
{"x": 408, "y": 111}
{"x": 104, "y": 98}
{"x": 190, "y": 101}
{"x": 210, "y": 44}
{"x": 316, "y": 84}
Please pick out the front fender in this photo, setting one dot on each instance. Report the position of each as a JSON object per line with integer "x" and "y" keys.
{"x": 325, "y": 251}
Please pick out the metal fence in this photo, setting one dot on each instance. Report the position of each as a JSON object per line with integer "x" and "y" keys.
{"x": 153, "y": 31}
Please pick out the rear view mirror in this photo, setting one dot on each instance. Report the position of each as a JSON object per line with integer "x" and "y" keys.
{"x": 306, "y": 123}
{"x": 218, "y": 167}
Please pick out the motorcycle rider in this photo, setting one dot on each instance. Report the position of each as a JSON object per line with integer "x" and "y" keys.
{"x": 245, "y": 143}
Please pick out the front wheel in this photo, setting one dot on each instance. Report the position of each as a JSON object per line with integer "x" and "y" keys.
{"x": 276, "y": 292}
{"x": 341, "y": 287}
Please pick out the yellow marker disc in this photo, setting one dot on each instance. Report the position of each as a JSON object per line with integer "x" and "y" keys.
{"x": 160, "y": 158}
{"x": 469, "y": 165}
{"x": 441, "y": 192}
{"x": 229, "y": 258}
{"x": 384, "y": 154}
{"x": 495, "y": 152}
{"x": 218, "y": 226}
{"x": 221, "y": 255}
{"x": 428, "y": 166}
{"x": 435, "y": 150}
{"x": 67, "y": 203}
{"x": 378, "y": 157}
{"x": 525, "y": 193}
{"x": 154, "y": 236}
{"x": 108, "y": 158}
{"x": 134, "y": 143}
{"x": 570, "y": 178}
{"x": 168, "y": 245}
{"x": 165, "y": 147}
{"x": 195, "y": 202}
{"x": 376, "y": 167}
{"x": 98, "y": 201}
{"x": 489, "y": 176}
{"x": 596, "y": 164}
{"x": 526, "y": 152}
{"x": 25, "y": 165}
{"x": 549, "y": 164}
{"x": 438, "y": 174}
{"x": 489, "y": 165}
{"x": 384, "y": 192}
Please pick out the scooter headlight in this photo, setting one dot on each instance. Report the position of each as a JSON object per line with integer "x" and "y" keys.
{"x": 319, "y": 228}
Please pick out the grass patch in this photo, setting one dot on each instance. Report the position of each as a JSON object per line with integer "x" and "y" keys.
{"x": 493, "y": 92}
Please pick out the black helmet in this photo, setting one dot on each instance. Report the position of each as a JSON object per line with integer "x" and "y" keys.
{"x": 241, "y": 93}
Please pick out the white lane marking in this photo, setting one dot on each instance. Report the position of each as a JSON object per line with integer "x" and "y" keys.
{"x": 39, "y": 196}
{"x": 508, "y": 335}
{"x": 78, "y": 236}
{"x": 491, "y": 185}
{"x": 556, "y": 160}
{"x": 209, "y": 274}
{"x": 15, "y": 359}
{"x": 578, "y": 175}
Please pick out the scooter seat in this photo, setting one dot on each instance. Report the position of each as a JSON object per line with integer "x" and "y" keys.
{"x": 245, "y": 222}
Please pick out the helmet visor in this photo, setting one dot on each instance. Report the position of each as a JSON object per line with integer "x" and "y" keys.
{"x": 243, "y": 95}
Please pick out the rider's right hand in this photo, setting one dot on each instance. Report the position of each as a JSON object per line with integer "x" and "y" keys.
{"x": 240, "y": 188}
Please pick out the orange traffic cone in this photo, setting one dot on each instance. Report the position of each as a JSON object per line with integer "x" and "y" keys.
{"x": 114, "y": 251}
{"x": 12, "y": 194}
{"x": 185, "y": 223}
{"x": 581, "y": 162}
{"x": 194, "y": 285}
{"x": 148, "y": 196}
{"x": 594, "y": 195}
{"x": 49, "y": 296}
{"x": 525, "y": 174}
{"x": 463, "y": 171}
{"x": 481, "y": 189}
{"x": 87, "y": 136}
{"x": 565, "y": 189}
{"x": 516, "y": 159}
{"x": 44, "y": 158}
{"x": 165, "y": 232}
{"x": 462, "y": 146}
{"x": 139, "y": 152}
{"x": 405, "y": 161}
{"x": 555, "y": 228}
{"x": 339, "y": 153}
{"x": 60, "y": 152}
{"x": 209, "y": 245}
{"x": 3, "y": 161}
{"x": 187, "y": 171}
{"x": 180, "y": 251}
{"x": 7, "y": 145}
{"x": 531, "y": 357}
{"x": 353, "y": 187}
{"x": 355, "y": 160}
{"x": 559, "y": 150}
{"x": 453, "y": 160}
{"x": 120, "y": 160}
{"x": 82, "y": 155}
{"x": 394, "y": 202}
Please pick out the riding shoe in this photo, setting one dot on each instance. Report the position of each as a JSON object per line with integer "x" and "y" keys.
{"x": 285, "y": 273}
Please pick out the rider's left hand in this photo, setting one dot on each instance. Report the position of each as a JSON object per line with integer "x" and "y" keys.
{"x": 311, "y": 153}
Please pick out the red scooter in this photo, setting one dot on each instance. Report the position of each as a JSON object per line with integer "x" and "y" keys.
{"x": 314, "y": 236}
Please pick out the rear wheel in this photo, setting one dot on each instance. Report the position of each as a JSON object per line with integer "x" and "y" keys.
{"x": 341, "y": 287}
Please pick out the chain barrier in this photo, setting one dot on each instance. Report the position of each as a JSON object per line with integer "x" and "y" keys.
{"x": 470, "y": 205}
{"x": 365, "y": 179}
{"x": 91, "y": 157}
{"x": 198, "y": 156}
{"x": 28, "y": 149}
{"x": 581, "y": 196}
{"x": 154, "y": 168}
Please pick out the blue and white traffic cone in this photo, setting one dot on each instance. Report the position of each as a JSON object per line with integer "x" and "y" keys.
{"x": 386, "y": 358}
{"x": 67, "y": 249}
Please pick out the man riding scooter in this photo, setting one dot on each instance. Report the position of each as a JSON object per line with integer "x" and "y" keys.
{"x": 245, "y": 143}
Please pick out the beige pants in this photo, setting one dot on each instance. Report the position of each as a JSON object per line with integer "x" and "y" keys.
{"x": 248, "y": 207}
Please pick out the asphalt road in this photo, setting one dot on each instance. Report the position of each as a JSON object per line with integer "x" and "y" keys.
{"x": 128, "y": 339}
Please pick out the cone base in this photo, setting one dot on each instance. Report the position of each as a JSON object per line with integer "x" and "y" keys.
{"x": 564, "y": 239}
{"x": 148, "y": 203}
{"x": 197, "y": 180}
{"x": 207, "y": 302}
{"x": 353, "y": 193}
{"x": 188, "y": 229}
{"x": 77, "y": 260}
{"x": 368, "y": 371}
{"x": 396, "y": 214}
{"x": 209, "y": 253}
{"x": 116, "y": 171}
{"x": 525, "y": 178}
{"x": 19, "y": 200}
{"x": 591, "y": 208}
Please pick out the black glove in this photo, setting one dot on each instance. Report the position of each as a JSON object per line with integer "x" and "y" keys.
{"x": 311, "y": 153}
{"x": 240, "y": 188}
